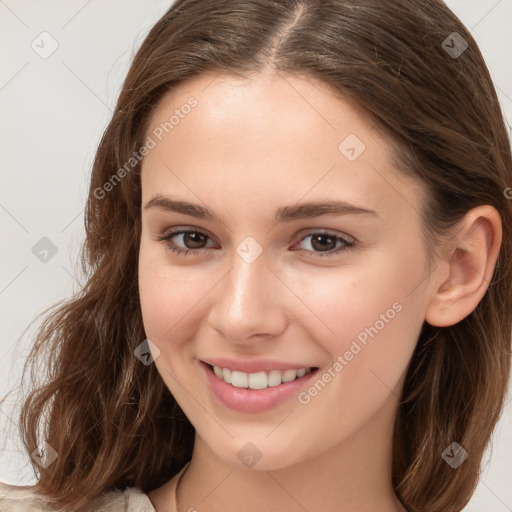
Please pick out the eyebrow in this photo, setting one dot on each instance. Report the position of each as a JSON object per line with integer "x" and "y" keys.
{"x": 283, "y": 214}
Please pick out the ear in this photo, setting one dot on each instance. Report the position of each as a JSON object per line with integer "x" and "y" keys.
{"x": 466, "y": 267}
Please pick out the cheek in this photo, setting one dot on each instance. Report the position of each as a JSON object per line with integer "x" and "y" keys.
{"x": 374, "y": 339}
{"x": 370, "y": 314}
{"x": 367, "y": 374}
{"x": 344, "y": 302}
{"x": 170, "y": 296}
{"x": 158, "y": 293}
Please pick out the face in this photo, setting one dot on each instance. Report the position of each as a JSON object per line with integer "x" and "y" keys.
{"x": 277, "y": 235}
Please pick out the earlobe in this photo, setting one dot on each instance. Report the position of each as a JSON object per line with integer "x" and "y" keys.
{"x": 471, "y": 261}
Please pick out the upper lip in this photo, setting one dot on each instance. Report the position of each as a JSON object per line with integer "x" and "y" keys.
{"x": 253, "y": 365}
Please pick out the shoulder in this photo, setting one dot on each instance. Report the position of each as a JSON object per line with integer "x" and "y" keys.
{"x": 26, "y": 499}
{"x": 129, "y": 500}
{"x": 18, "y": 498}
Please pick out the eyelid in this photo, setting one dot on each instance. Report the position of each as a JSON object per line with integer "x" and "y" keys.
{"x": 348, "y": 241}
{"x": 326, "y": 231}
{"x": 176, "y": 230}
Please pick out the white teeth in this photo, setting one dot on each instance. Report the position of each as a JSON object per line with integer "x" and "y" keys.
{"x": 274, "y": 378}
{"x": 289, "y": 375}
{"x": 226, "y": 375}
{"x": 239, "y": 379}
{"x": 259, "y": 380}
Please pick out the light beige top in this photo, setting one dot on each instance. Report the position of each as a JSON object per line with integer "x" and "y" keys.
{"x": 23, "y": 499}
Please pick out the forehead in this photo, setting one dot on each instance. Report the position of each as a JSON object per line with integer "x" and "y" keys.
{"x": 293, "y": 104}
{"x": 276, "y": 135}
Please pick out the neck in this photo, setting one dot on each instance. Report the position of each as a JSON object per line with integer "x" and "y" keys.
{"x": 353, "y": 476}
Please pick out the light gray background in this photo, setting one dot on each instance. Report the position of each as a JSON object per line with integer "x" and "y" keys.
{"x": 53, "y": 112}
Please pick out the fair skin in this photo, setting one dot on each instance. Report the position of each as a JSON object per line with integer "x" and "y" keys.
{"x": 248, "y": 148}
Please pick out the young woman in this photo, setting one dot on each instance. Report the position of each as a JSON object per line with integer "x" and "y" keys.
{"x": 299, "y": 271}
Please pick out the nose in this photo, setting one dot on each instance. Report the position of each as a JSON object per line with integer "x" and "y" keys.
{"x": 249, "y": 302}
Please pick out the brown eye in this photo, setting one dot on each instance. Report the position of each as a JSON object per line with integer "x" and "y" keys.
{"x": 325, "y": 244}
{"x": 194, "y": 239}
{"x": 185, "y": 241}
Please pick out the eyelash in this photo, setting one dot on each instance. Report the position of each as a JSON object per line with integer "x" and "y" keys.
{"x": 166, "y": 239}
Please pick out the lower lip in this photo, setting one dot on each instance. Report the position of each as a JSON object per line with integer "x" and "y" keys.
{"x": 253, "y": 400}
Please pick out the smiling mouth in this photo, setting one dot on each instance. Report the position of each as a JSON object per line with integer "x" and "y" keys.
{"x": 259, "y": 380}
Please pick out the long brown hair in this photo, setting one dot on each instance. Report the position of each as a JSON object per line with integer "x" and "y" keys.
{"x": 110, "y": 418}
